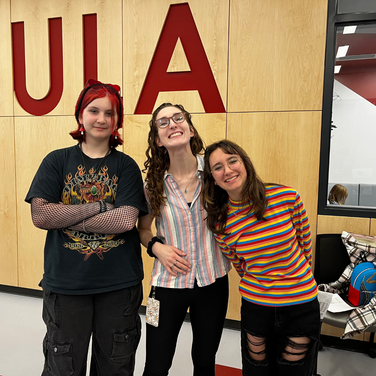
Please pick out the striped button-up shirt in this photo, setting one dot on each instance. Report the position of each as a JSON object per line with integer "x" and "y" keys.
{"x": 184, "y": 227}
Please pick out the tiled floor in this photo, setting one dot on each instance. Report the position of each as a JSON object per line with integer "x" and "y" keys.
{"x": 22, "y": 331}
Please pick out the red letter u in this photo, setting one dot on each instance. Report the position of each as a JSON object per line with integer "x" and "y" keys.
{"x": 45, "y": 105}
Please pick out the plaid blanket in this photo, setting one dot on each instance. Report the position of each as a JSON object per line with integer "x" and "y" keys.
{"x": 361, "y": 248}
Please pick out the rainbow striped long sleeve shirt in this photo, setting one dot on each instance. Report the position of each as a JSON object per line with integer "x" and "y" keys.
{"x": 273, "y": 255}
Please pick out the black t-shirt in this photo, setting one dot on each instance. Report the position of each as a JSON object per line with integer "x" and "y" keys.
{"x": 81, "y": 263}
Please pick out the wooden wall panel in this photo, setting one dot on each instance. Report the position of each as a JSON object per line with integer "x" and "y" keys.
{"x": 143, "y": 25}
{"x": 284, "y": 147}
{"x": 264, "y": 57}
{"x": 234, "y": 301}
{"x": 36, "y": 137}
{"x": 327, "y": 224}
{"x": 35, "y": 15}
{"x": 6, "y": 76}
{"x": 276, "y": 57}
{"x": 372, "y": 231}
{"x": 8, "y": 231}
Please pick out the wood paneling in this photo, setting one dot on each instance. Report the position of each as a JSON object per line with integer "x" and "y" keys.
{"x": 276, "y": 56}
{"x": 36, "y": 137}
{"x": 6, "y": 69}
{"x": 144, "y": 21}
{"x": 8, "y": 233}
{"x": 327, "y": 224}
{"x": 373, "y": 227}
{"x": 284, "y": 147}
{"x": 235, "y": 301}
{"x": 264, "y": 56}
{"x": 35, "y": 15}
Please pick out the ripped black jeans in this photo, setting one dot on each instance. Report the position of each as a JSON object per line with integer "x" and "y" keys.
{"x": 279, "y": 341}
{"x": 111, "y": 318}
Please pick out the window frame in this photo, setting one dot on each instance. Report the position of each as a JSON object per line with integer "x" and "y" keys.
{"x": 335, "y": 20}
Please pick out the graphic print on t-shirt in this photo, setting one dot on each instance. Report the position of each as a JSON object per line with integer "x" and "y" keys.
{"x": 82, "y": 189}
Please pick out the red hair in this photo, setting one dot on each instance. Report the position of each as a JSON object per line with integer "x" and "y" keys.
{"x": 94, "y": 90}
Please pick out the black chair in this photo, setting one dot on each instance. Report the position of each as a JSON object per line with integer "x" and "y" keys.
{"x": 331, "y": 259}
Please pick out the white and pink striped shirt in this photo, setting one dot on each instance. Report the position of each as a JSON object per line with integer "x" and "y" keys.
{"x": 184, "y": 227}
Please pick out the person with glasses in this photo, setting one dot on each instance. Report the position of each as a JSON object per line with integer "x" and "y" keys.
{"x": 264, "y": 230}
{"x": 189, "y": 269}
{"x": 88, "y": 197}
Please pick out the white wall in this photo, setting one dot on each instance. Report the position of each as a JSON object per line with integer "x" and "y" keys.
{"x": 353, "y": 142}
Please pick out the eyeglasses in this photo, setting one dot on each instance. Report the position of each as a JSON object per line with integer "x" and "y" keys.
{"x": 165, "y": 121}
{"x": 233, "y": 164}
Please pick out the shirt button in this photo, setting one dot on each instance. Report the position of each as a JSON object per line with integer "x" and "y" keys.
{"x": 55, "y": 349}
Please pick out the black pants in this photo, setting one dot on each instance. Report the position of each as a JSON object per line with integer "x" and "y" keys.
{"x": 207, "y": 308}
{"x": 112, "y": 318}
{"x": 278, "y": 326}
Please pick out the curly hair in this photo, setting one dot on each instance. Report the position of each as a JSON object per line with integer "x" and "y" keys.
{"x": 214, "y": 199}
{"x": 158, "y": 159}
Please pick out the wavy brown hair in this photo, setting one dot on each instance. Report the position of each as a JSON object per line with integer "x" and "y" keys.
{"x": 214, "y": 199}
{"x": 338, "y": 194}
{"x": 158, "y": 159}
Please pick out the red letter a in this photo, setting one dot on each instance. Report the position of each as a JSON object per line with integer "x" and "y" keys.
{"x": 180, "y": 23}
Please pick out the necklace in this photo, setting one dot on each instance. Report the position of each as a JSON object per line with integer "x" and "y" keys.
{"x": 93, "y": 188}
{"x": 179, "y": 184}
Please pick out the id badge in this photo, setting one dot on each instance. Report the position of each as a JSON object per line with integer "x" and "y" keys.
{"x": 152, "y": 310}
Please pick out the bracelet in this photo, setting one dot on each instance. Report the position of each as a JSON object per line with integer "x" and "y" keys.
{"x": 83, "y": 226}
{"x": 154, "y": 240}
{"x": 103, "y": 206}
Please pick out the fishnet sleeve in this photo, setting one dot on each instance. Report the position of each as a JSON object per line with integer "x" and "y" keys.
{"x": 49, "y": 216}
{"x": 115, "y": 221}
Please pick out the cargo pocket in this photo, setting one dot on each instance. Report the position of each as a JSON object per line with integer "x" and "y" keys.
{"x": 58, "y": 358}
{"x": 51, "y": 310}
{"x": 126, "y": 342}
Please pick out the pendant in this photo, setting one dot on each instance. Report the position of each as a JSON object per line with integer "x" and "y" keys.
{"x": 94, "y": 190}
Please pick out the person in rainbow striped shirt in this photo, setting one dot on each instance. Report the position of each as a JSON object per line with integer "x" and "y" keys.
{"x": 264, "y": 230}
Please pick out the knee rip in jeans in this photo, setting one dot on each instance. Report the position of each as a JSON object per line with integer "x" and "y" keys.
{"x": 296, "y": 348}
{"x": 256, "y": 347}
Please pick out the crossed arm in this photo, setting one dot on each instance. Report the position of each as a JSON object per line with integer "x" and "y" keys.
{"x": 85, "y": 218}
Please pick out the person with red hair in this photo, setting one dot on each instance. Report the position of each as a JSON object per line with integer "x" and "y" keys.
{"x": 88, "y": 197}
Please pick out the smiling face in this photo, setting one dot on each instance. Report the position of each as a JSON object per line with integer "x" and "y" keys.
{"x": 174, "y": 135}
{"x": 97, "y": 118}
{"x": 228, "y": 172}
